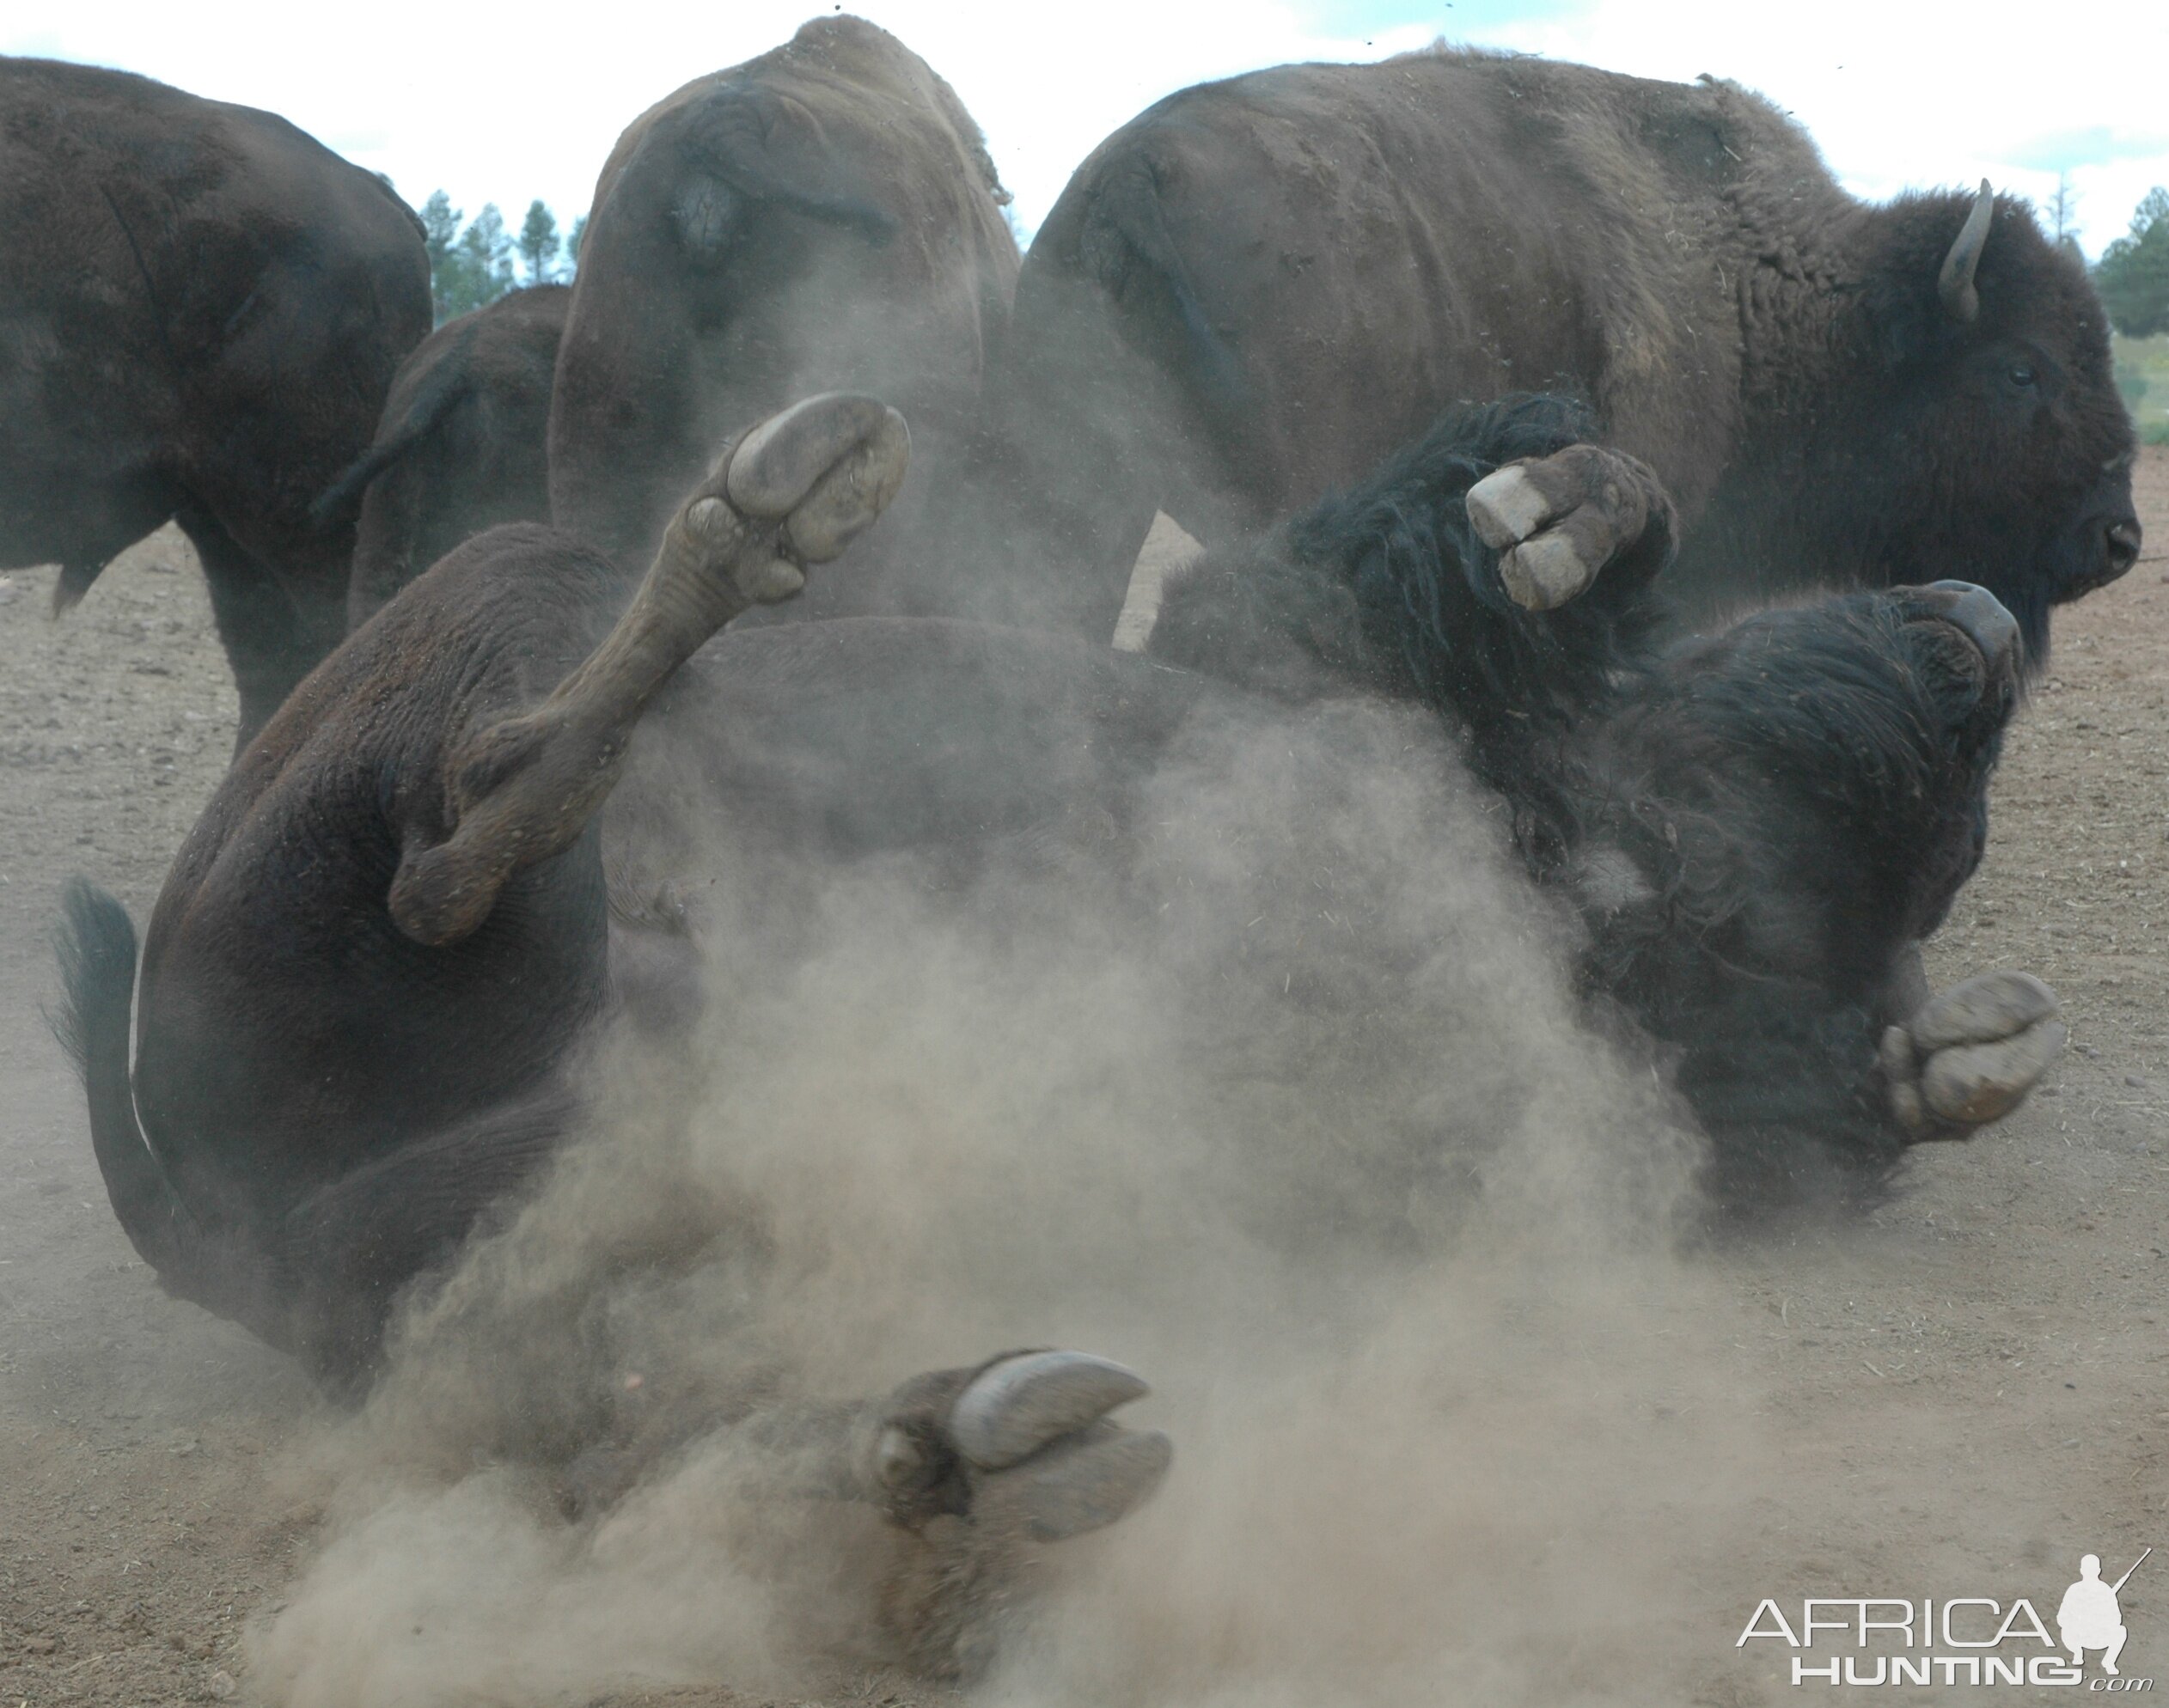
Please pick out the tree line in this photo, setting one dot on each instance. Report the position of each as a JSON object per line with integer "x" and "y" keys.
{"x": 2132, "y": 272}
{"x": 473, "y": 263}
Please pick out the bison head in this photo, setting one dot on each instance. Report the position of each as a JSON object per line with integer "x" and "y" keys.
{"x": 824, "y": 217}
{"x": 1975, "y": 431}
{"x": 1823, "y": 772}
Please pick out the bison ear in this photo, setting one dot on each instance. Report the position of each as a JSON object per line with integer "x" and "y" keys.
{"x": 1909, "y": 325}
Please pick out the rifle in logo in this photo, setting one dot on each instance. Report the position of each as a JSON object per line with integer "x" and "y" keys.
{"x": 2089, "y": 1618}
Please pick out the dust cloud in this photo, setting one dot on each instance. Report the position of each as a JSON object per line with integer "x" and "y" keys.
{"x": 1282, "y": 1097}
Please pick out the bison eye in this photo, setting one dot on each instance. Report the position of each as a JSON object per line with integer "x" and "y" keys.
{"x": 2021, "y": 375}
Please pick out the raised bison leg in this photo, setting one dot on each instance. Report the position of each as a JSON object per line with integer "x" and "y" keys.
{"x": 794, "y": 492}
{"x": 1557, "y": 521}
{"x": 1971, "y": 1055}
{"x": 1397, "y": 585}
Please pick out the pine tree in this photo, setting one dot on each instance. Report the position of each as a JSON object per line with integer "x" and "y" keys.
{"x": 479, "y": 268}
{"x": 440, "y": 233}
{"x": 472, "y": 265}
{"x": 2133, "y": 275}
{"x": 539, "y": 243}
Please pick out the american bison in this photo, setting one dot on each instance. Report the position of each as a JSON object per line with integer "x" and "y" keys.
{"x": 417, "y": 903}
{"x": 1255, "y": 288}
{"x": 460, "y": 449}
{"x": 201, "y": 309}
{"x": 825, "y": 216}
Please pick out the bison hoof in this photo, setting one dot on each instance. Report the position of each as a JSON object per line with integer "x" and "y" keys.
{"x": 794, "y": 491}
{"x": 824, "y": 469}
{"x": 1970, "y": 1055}
{"x": 1025, "y": 1447}
{"x": 1557, "y": 521}
{"x": 984, "y": 1468}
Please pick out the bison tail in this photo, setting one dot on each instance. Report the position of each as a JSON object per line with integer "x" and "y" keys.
{"x": 1126, "y": 232}
{"x": 96, "y": 945}
{"x": 444, "y": 386}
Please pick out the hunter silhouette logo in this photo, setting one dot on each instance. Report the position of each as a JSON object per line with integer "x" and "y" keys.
{"x": 1956, "y": 1640}
{"x": 2089, "y": 1618}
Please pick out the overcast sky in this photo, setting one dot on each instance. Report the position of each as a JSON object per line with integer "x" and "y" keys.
{"x": 493, "y": 106}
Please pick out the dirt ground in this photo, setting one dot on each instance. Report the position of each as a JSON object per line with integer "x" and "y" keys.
{"x": 1978, "y": 1374}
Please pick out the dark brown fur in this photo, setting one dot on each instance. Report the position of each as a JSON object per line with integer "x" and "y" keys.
{"x": 201, "y": 309}
{"x": 1755, "y": 832}
{"x": 332, "y": 1101}
{"x": 1253, "y": 291}
{"x": 823, "y": 217}
{"x": 460, "y": 448}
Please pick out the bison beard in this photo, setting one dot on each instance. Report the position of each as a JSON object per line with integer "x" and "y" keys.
{"x": 384, "y": 951}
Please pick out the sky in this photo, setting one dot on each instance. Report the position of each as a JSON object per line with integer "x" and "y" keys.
{"x": 453, "y": 95}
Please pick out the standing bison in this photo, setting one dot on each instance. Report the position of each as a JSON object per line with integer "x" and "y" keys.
{"x": 200, "y": 311}
{"x": 400, "y": 926}
{"x": 825, "y": 216}
{"x": 460, "y": 449}
{"x": 1252, "y": 291}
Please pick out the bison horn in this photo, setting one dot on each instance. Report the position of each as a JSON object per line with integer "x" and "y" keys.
{"x": 1954, "y": 284}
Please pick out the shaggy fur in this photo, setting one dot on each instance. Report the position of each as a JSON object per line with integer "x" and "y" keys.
{"x": 1758, "y": 827}
{"x": 1252, "y": 292}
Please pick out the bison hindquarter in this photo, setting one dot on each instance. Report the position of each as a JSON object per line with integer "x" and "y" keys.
{"x": 223, "y": 312}
{"x": 824, "y": 217}
{"x": 462, "y": 447}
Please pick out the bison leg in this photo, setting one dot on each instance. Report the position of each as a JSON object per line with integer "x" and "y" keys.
{"x": 982, "y": 1469}
{"x": 344, "y": 1255}
{"x": 793, "y": 492}
{"x": 271, "y": 641}
{"x": 1971, "y": 1055}
{"x": 1558, "y": 521}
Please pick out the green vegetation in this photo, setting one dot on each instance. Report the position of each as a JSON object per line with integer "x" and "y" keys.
{"x": 2133, "y": 279}
{"x": 2133, "y": 273}
{"x": 471, "y": 264}
{"x": 2143, "y": 376}
{"x": 539, "y": 243}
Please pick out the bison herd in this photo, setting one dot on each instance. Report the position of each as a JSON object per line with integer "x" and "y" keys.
{"x": 1525, "y": 401}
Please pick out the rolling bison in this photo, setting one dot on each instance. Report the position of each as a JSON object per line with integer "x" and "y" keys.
{"x": 200, "y": 311}
{"x": 461, "y": 446}
{"x": 824, "y": 216}
{"x": 411, "y": 909}
{"x": 1257, "y": 288}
